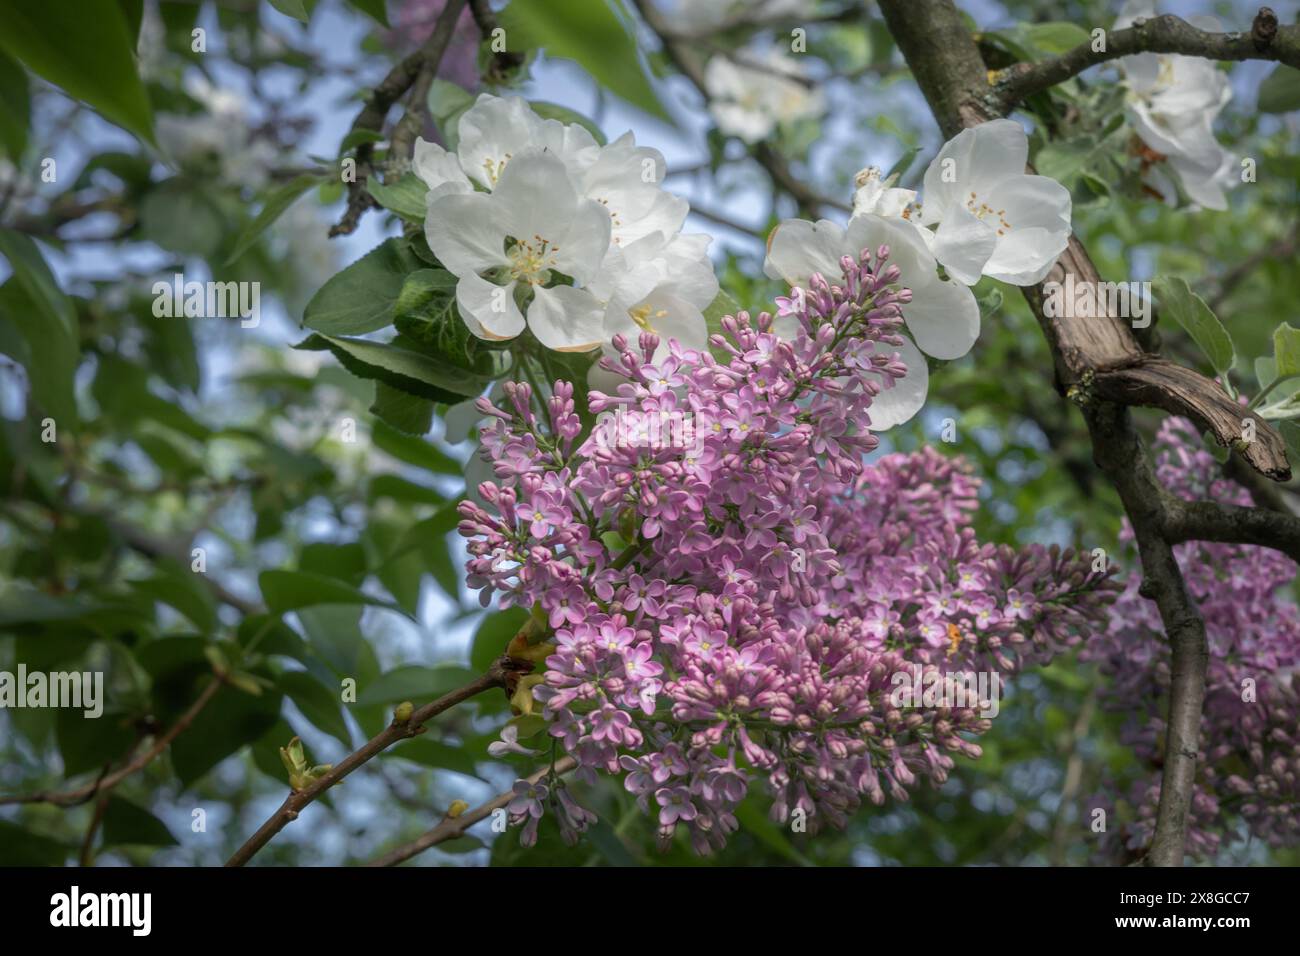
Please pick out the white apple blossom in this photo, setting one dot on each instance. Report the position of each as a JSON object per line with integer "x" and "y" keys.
{"x": 659, "y": 286}
{"x": 992, "y": 218}
{"x": 943, "y": 317}
{"x": 529, "y": 231}
{"x": 880, "y": 196}
{"x": 511, "y": 258}
{"x": 750, "y": 97}
{"x": 625, "y": 178}
{"x": 1172, "y": 102}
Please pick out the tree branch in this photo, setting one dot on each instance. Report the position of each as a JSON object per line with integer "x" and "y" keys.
{"x": 502, "y": 673}
{"x": 451, "y": 827}
{"x": 1163, "y": 34}
{"x": 371, "y": 119}
{"x": 1101, "y": 367}
{"x": 412, "y": 121}
{"x": 1211, "y": 521}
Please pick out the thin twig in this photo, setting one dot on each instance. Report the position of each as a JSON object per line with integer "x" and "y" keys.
{"x": 451, "y": 827}
{"x": 1164, "y": 34}
{"x": 412, "y": 121}
{"x": 87, "y": 856}
{"x": 500, "y": 674}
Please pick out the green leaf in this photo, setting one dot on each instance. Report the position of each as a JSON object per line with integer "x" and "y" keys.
{"x": 1280, "y": 91}
{"x": 356, "y": 137}
{"x": 447, "y": 102}
{"x": 20, "y": 847}
{"x": 290, "y": 590}
{"x": 126, "y": 824}
{"x": 15, "y": 108}
{"x": 267, "y": 634}
{"x": 1286, "y": 351}
{"x": 1190, "y": 311}
{"x": 273, "y": 207}
{"x": 405, "y": 413}
{"x": 465, "y": 843}
{"x": 373, "y": 9}
{"x": 1291, "y": 434}
{"x": 87, "y": 745}
{"x": 414, "y": 683}
{"x": 334, "y": 633}
{"x": 1266, "y": 370}
{"x": 176, "y": 585}
{"x": 48, "y": 322}
{"x": 229, "y": 723}
{"x": 409, "y": 371}
{"x": 181, "y": 216}
{"x": 493, "y": 634}
{"x": 291, "y": 8}
{"x": 414, "y": 451}
{"x": 403, "y": 490}
{"x": 404, "y": 197}
{"x": 904, "y": 163}
{"x": 318, "y": 703}
{"x": 87, "y": 49}
{"x": 422, "y": 286}
{"x": 589, "y": 33}
{"x": 768, "y": 833}
{"x": 722, "y": 305}
{"x": 1056, "y": 37}
{"x": 345, "y": 562}
{"x": 361, "y": 297}
{"x": 528, "y": 726}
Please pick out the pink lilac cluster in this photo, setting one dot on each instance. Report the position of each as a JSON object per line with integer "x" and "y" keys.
{"x": 1250, "y": 734}
{"x": 739, "y": 602}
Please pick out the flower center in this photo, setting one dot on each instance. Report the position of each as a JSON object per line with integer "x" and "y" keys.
{"x": 493, "y": 167}
{"x": 641, "y": 315}
{"x": 531, "y": 260}
{"x": 615, "y": 221}
{"x": 980, "y": 209}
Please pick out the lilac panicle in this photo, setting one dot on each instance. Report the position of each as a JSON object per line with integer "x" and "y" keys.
{"x": 734, "y": 595}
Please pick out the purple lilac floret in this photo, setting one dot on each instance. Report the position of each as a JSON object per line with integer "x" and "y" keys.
{"x": 733, "y": 602}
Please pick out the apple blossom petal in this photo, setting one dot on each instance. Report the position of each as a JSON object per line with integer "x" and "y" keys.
{"x": 982, "y": 157}
{"x": 893, "y": 406}
{"x": 464, "y": 232}
{"x": 437, "y": 167}
{"x": 963, "y": 243}
{"x": 535, "y": 198}
{"x": 566, "y": 319}
{"x": 581, "y": 250}
{"x": 943, "y": 317}
{"x": 489, "y": 310}
{"x": 492, "y": 132}
{"x": 1038, "y": 210}
{"x": 797, "y": 249}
